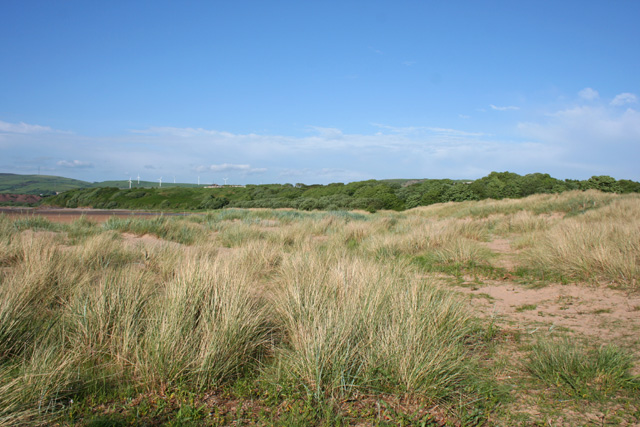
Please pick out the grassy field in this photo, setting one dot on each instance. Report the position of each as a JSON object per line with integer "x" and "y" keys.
{"x": 37, "y": 184}
{"x": 49, "y": 185}
{"x": 283, "y": 317}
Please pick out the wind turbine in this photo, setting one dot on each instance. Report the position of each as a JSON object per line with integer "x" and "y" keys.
{"x": 198, "y": 180}
{"x": 225, "y": 180}
{"x": 129, "y": 183}
{"x": 160, "y": 181}
{"x": 138, "y": 179}
{"x": 174, "y": 179}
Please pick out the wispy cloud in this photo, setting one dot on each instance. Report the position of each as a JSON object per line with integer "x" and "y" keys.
{"x": 181, "y": 132}
{"x": 228, "y": 167}
{"x": 329, "y": 133}
{"x": 26, "y": 128}
{"x": 408, "y": 63}
{"x": 579, "y": 140}
{"x": 74, "y": 164}
{"x": 310, "y": 174}
{"x": 623, "y": 99}
{"x": 407, "y": 130}
{"x": 455, "y": 132}
{"x": 588, "y": 94}
{"x": 507, "y": 108}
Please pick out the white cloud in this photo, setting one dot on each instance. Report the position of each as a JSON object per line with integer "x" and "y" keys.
{"x": 510, "y": 107}
{"x": 454, "y": 132}
{"x": 311, "y": 175}
{"x": 228, "y": 167}
{"x": 329, "y": 133}
{"x": 24, "y": 128}
{"x": 597, "y": 139}
{"x": 570, "y": 143}
{"x": 587, "y": 126}
{"x": 624, "y": 98}
{"x": 74, "y": 164}
{"x": 414, "y": 130}
{"x": 181, "y": 132}
{"x": 588, "y": 94}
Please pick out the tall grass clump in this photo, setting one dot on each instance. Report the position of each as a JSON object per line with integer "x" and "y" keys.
{"x": 7, "y": 228}
{"x": 32, "y": 294}
{"x": 39, "y": 386}
{"x": 601, "y": 246}
{"x": 104, "y": 323}
{"x": 352, "y": 325}
{"x": 101, "y": 318}
{"x": 7, "y": 236}
{"x": 235, "y": 234}
{"x": 208, "y": 327}
{"x": 522, "y": 222}
{"x": 580, "y": 372}
{"x": 80, "y": 229}
{"x": 168, "y": 228}
{"x": 37, "y": 368}
{"x": 105, "y": 250}
{"x": 35, "y": 223}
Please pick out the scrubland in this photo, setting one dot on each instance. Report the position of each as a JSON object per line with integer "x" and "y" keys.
{"x": 282, "y": 317}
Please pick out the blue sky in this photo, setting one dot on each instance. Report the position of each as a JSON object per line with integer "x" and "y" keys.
{"x": 319, "y": 91}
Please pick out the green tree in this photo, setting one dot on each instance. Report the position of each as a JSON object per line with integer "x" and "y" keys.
{"x": 211, "y": 202}
{"x": 603, "y": 183}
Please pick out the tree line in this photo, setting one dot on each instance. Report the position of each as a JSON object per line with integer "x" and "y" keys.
{"x": 369, "y": 195}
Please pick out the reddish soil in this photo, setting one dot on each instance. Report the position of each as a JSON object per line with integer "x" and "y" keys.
{"x": 606, "y": 314}
{"x": 19, "y": 198}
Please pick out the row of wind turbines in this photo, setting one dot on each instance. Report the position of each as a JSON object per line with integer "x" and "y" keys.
{"x": 174, "y": 181}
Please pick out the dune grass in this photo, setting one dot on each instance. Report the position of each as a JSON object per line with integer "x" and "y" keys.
{"x": 297, "y": 312}
{"x": 600, "y": 246}
{"x": 351, "y": 326}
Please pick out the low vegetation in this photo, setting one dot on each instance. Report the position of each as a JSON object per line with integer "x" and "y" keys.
{"x": 285, "y": 317}
{"x": 397, "y": 195}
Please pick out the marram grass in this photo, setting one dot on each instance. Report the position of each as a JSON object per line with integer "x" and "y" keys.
{"x": 327, "y": 306}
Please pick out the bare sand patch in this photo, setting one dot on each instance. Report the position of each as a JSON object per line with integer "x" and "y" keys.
{"x": 501, "y": 246}
{"x": 506, "y": 255}
{"x": 610, "y": 315}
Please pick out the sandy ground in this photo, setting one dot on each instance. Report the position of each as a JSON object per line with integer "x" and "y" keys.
{"x": 606, "y": 314}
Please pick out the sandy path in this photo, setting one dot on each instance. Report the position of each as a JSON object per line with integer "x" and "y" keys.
{"x": 609, "y": 315}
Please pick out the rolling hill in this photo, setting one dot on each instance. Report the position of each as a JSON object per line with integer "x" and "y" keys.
{"x": 38, "y": 184}
{"x": 48, "y": 185}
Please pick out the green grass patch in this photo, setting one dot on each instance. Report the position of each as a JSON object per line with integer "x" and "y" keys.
{"x": 580, "y": 372}
{"x": 35, "y": 223}
{"x": 526, "y": 307}
{"x": 167, "y": 228}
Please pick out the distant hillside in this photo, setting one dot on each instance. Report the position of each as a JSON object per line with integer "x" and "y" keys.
{"x": 49, "y": 185}
{"x": 124, "y": 184}
{"x": 38, "y": 184}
